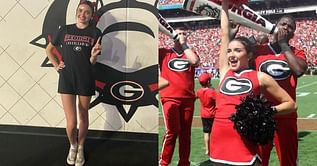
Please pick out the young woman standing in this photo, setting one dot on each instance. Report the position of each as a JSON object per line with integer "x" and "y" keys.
{"x": 80, "y": 47}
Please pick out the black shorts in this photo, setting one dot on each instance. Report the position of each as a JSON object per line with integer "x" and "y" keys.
{"x": 207, "y": 124}
{"x": 75, "y": 84}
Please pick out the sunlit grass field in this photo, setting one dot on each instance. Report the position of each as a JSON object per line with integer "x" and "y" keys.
{"x": 307, "y": 108}
{"x": 306, "y": 96}
{"x": 307, "y": 149}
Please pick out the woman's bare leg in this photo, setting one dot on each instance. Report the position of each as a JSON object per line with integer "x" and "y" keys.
{"x": 206, "y": 140}
{"x": 69, "y": 106}
{"x": 83, "y": 106}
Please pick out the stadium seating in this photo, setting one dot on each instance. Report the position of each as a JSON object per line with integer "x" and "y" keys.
{"x": 206, "y": 39}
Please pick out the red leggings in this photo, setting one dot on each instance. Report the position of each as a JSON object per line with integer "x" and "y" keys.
{"x": 286, "y": 143}
{"x": 178, "y": 116}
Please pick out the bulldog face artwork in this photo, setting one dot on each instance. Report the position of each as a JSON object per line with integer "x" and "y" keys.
{"x": 126, "y": 70}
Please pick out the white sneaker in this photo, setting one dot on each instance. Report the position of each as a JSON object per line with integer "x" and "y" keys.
{"x": 80, "y": 158}
{"x": 71, "y": 157}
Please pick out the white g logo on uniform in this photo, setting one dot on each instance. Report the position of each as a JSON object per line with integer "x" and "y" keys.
{"x": 178, "y": 64}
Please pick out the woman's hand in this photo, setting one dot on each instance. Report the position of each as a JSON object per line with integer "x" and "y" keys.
{"x": 60, "y": 66}
{"x": 234, "y": 29}
{"x": 95, "y": 51}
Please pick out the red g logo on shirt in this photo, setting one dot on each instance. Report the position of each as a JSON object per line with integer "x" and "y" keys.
{"x": 178, "y": 64}
{"x": 277, "y": 69}
{"x": 233, "y": 86}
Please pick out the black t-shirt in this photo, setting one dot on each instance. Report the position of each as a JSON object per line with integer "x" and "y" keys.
{"x": 76, "y": 45}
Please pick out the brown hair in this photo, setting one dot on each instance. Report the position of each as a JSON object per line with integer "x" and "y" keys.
{"x": 90, "y": 4}
{"x": 246, "y": 42}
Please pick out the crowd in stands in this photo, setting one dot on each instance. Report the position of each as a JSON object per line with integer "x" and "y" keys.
{"x": 206, "y": 41}
{"x": 306, "y": 39}
{"x": 273, "y": 4}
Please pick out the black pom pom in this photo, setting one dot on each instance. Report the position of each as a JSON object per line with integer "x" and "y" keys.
{"x": 254, "y": 119}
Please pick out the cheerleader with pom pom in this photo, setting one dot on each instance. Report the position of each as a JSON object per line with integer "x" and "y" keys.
{"x": 233, "y": 140}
